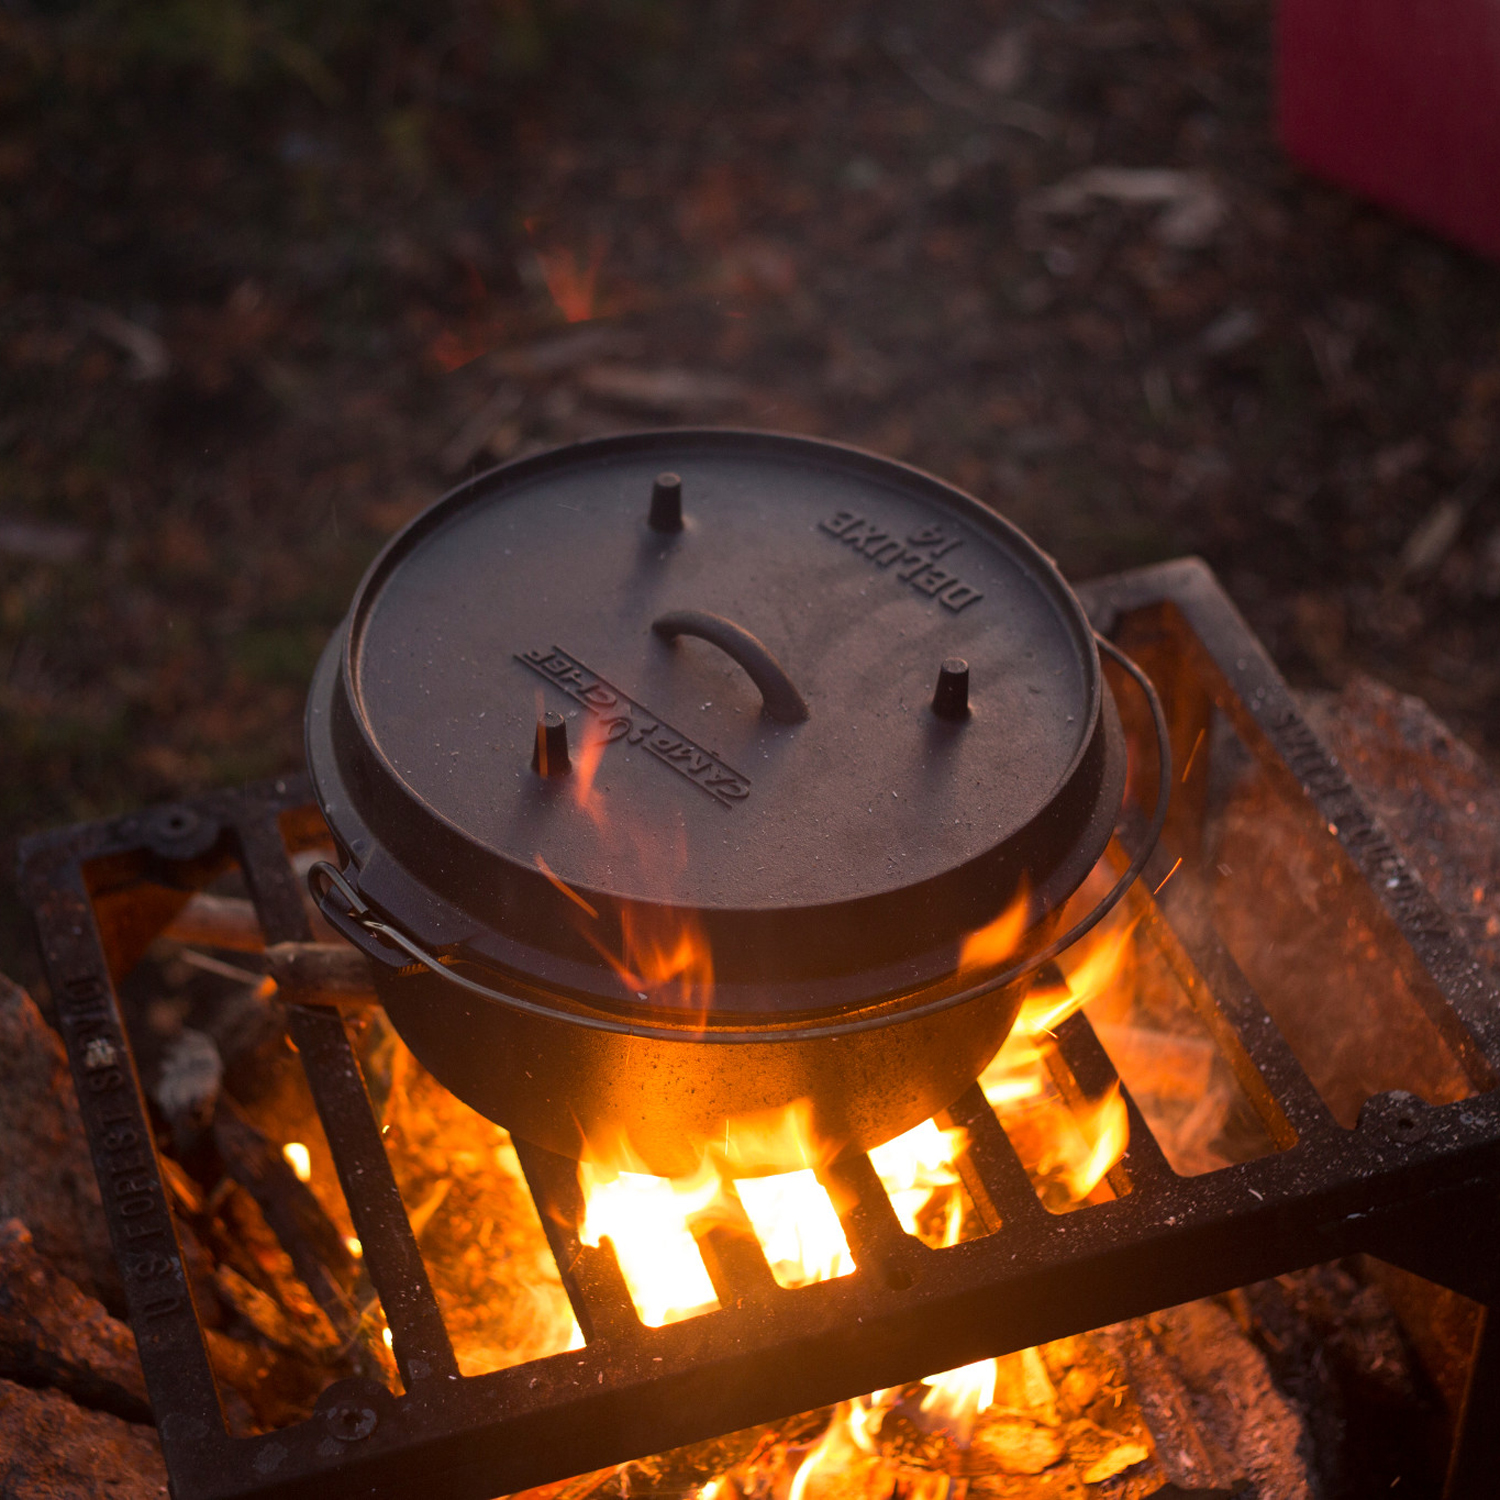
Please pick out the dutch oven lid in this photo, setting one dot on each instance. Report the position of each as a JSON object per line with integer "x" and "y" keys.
{"x": 828, "y": 859}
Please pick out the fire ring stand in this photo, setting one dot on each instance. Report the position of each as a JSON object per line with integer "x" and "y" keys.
{"x": 1413, "y": 1183}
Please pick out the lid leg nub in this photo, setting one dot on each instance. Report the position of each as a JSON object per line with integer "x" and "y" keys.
{"x": 549, "y": 756}
{"x": 666, "y": 503}
{"x": 951, "y": 700}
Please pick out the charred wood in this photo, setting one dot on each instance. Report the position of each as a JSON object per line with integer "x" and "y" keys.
{"x": 209, "y": 921}
{"x": 1335, "y": 1348}
{"x": 1216, "y": 1416}
{"x": 321, "y": 974}
{"x": 305, "y": 1231}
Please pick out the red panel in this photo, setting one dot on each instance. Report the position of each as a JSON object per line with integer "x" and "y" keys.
{"x": 1399, "y": 99}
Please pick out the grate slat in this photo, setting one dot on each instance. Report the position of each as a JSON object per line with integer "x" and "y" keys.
{"x": 591, "y": 1275}
{"x": 419, "y": 1336}
{"x": 732, "y": 1253}
{"x": 996, "y": 1180}
{"x": 876, "y": 1238}
{"x": 1144, "y": 1163}
{"x": 143, "y": 1231}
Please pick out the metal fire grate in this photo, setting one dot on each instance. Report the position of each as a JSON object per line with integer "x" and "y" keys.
{"x": 1414, "y": 1183}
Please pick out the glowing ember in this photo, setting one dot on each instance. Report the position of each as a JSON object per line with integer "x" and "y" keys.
{"x": 570, "y": 278}
{"x": 299, "y": 1159}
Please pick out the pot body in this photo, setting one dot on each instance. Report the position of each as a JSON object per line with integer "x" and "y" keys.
{"x": 777, "y": 1103}
{"x": 840, "y": 856}
{"x": 772, "y": 1097}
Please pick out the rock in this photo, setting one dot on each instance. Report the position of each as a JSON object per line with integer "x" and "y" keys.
{"x": 48, "y": 1181}
{"x": 51, "y": 1334}
{"x": 51, "y": 1449}
{"x": 1437, "y": 798}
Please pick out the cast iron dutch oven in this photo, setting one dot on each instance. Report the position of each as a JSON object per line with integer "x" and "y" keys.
{"x": 667, "y": 690}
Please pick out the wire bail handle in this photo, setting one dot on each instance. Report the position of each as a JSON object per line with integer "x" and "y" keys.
{"x": 324, "y": 878}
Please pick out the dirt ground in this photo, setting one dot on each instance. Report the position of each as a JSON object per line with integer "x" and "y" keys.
{"x": 273, "y": 277}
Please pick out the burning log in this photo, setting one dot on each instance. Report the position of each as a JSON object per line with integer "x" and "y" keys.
{"x": 210, "y": 921}
{"x": 321, "y": 974}
{"x": 1218, "y": 1420}
{"x": 915, "y": 1442}
{"x": 304, "y": 1231}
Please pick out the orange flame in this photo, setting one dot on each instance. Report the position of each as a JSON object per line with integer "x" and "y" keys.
{"x": 650, "y": 1221}
{"x": 1106, "y": 1125}
{"x": 565, "y": 888}
{"x": 783, "y": 1136}
{"x": 791, "y": 1213}
{"x": 1074, "y": 1147}
{"x": 571, "y": 279}
{"x": 664, "y": 958}
{"x": 916, "y": 1166}
{"x": 585, "y": 768}
{"x": 1066, "y": 1141}
{"x": 797, "y": 1226}
{"x": 958, "y": 1396}
{"x": 998, "y": 940}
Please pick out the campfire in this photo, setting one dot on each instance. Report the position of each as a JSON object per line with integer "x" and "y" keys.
{"x": 337, "y": 1271}
{"x": 1023, "y": 1414}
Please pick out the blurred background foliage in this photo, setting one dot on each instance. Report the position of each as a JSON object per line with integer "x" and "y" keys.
{"x": 274, "y": 274}
{"x": 334, "y": 48}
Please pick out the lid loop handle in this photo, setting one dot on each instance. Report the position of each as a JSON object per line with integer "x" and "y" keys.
{"x": 779, "y": 695}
